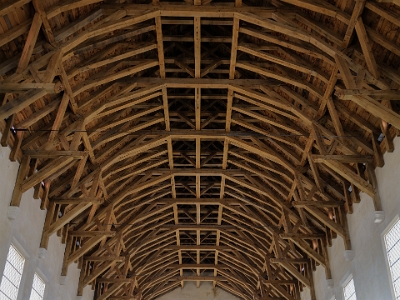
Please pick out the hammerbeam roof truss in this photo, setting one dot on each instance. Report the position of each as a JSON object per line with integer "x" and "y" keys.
{"x": 198, "y": 140}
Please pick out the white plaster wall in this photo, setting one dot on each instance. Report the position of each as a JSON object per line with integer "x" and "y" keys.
{"x": 369, "y": 268}
{"x": 25, "y": 233}
{"x": 191, "y": 292}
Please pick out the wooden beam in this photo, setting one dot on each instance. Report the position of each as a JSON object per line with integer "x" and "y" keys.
{"x": 10, "y": 6}
{"x": 342, "y": 158}
{"x": 197, "y": 47}
{"x": 30, "y": 43}
{"x": 166, "y": 109}
{"x": 234, "y": 47}
{"x": 357, "y": 11}
{"x": 22, "y": 173}
{"x": 349, "y": 175}
{"x": 197, "y": 227}
{"x": 15, "y": 32}
{"x": 47, "y": 171}
{"x": 200, "y": 82}
{"x": 198, "y": 108}
{"x": 392, "y": 94}
{"x": 366, "y": 48}
{"x": 21, "y": 102}
{"x": 206, "y": 11}
{"x": 160, "y": 46}
{"x": 50, "y": 88}
{"x": 55, "y": 154}
{"x": 47, "y": 30}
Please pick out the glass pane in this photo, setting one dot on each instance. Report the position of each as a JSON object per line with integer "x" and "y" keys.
{"x": 350, "y": 291}
{"x": 15, "y": 259}
{"x": 35, "y": 296}
{"x": 392, "y": 242}
{"x": 8, "y": 289}
{"x": 394, "y": 253}
{"x": 12, "y": 275}
{"x": 397, "y": 288}
{"x": 38, "y": 287}
{"x": 392, "y": 237}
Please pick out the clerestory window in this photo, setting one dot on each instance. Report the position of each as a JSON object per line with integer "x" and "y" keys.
{"x": 349, "y": 291}
{"x": 392, "y": 244}
{"x": 12, "y": 275}
{"x": 38, "y": 287}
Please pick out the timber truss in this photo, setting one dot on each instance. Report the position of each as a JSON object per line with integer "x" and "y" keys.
{"x": 198, "y": 140}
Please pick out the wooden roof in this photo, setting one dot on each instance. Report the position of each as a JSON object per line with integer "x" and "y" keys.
{"x": 198, "y": 140}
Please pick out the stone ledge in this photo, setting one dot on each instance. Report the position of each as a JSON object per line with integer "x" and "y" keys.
{"x": 13, "y": 212}
{"x": 63, "y": 280}
{"x": 330, "y": 283}
{"x": 379, "y": 216}
{"x": 348, "y": 255}
{"x": 42, "y": 252}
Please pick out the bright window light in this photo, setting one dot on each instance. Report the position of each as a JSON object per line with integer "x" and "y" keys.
{"x": 12, "y": 275}
{"x": 392, "y": 243}
{"x": 37, "y": 288}
{"x": 350, "y": 291}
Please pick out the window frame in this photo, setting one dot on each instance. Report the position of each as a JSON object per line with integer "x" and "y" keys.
{"x": 345, "y": 283}
{"x": 25, "y": 256}
{"x": 383, "y": 234}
